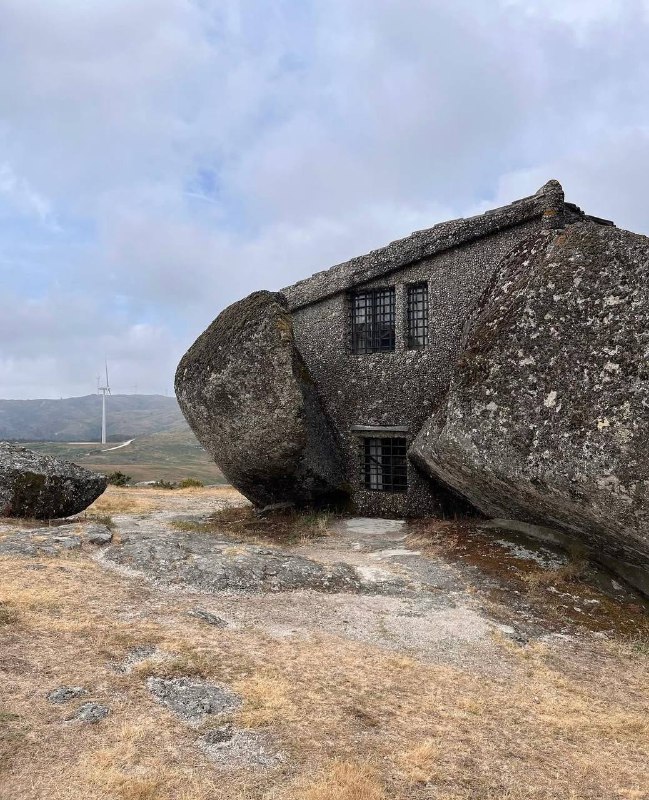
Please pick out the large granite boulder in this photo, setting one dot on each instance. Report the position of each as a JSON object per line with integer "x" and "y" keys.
{"x": 547, "y": 418}
{"x": 250, "y": 399}
{"x": 44, "y": 487}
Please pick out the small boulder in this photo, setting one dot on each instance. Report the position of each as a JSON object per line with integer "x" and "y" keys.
{"x": 193, "y": 700}
{"x": 66, "y": 693}
{"x": 91, "y": 713}
{"x": 44, "y": 487}
{"x": 253, "y": 405}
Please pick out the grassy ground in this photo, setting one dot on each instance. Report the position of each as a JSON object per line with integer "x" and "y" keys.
{"x": 167, "y": 455}
{"x": 567, "y": 721}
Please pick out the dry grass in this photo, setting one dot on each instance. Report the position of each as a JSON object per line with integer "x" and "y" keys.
{"x": 142, "y": 500}
{"x": 356, "y": 722}
{"x": 419, "y": 763}
{"x": 282, "y": 527}
{"x": 118, "y": 500}
{"x": 267, "y": 698}
{"x": 342, "y": 780}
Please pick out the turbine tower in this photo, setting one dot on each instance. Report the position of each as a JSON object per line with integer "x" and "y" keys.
{"x": 104, "y": 390}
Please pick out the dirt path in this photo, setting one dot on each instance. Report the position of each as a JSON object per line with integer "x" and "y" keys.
{"x": 360, "y": 660}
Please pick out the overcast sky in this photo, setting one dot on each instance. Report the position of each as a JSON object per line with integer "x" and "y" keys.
{"x": 160, "y": 159}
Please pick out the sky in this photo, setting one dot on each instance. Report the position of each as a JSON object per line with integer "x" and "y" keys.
{"x": 160, "y": 159}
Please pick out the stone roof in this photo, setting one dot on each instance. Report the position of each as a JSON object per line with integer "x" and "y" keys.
{"x": 548, "y": 202}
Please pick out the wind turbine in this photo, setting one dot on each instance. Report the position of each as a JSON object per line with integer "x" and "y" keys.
{"x": 104, "y": 391}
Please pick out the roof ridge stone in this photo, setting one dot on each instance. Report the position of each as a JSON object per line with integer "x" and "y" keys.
{"x": 547, "y": 203}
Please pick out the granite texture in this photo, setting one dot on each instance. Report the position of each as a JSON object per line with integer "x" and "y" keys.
{"x": 280, "y": 412}
{"x": 546, "y": 419}
{"x": 44, "y": 487}
{"x": 252, "y": 403}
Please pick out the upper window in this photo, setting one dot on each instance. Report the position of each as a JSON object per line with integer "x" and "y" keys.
{"x": 373, "y": 318}
{"x": 383, "y": 464}
{"x": 418, "y": 315}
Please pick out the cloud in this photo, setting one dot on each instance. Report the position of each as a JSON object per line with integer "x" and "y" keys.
{"x": 161, "y": 158}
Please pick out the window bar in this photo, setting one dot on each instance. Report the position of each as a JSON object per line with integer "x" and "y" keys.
{"x": 418, "y": 316}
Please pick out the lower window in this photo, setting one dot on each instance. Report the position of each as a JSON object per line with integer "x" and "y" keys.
{"x": 383, "y": 464}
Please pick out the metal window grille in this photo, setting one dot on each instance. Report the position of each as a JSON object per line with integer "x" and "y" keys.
{"x": 373, "y": 321}
{"x": 418, "y": 316}
{"x": 383, "y": 464}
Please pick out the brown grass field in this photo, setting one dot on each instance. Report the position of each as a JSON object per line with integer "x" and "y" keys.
{"x": 356, "y": 722}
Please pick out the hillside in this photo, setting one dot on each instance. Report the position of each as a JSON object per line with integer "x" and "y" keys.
{"x": 78, "y": 419}
{"x": 160, "y": 444}
{"x": 165, "y": 455}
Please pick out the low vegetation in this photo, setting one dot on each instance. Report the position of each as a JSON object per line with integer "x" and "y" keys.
{"x": 190, "y": 483}
{"x": 119, "y": 479}
{"x": 286, "y": 526}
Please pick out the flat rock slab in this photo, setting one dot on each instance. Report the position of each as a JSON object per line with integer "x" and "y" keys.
{"x": 98, "y": 534}
{"x": 40, "y": 542}
{"x": 192, "y": 700}
{"x": 208, "y": 617}
{"x": 53, "y": 540}
{"x": 215, "y": 565}
{"x": 66, "y": 693}
{"x": 232, "y": 748}
{"x": 137, "y": 655}
{"x": 91, "y": 713}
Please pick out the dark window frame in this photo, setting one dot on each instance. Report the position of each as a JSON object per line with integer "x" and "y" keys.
{"x": 417, "y": 336}
{"x": 374, "y": 320}
{"x": 384, "y": 464}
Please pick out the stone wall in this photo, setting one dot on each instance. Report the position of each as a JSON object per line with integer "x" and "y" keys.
{"x": 401, "y": 387}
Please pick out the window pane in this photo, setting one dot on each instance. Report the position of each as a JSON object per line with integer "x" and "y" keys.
{"x": 373, "y": 320}
{"x": 418, "y": 316}
{"x": 384, "y": 466}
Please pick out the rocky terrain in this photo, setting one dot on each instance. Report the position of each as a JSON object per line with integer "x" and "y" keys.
{"x": 173, "y": 645}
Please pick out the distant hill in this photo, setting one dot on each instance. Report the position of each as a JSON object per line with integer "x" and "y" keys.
{"x": 78, "y": 419}
{"x": 169, "y": 455}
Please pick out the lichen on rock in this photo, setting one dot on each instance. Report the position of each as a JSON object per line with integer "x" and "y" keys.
{"x": 250, "y": 399}
{"x": 44, "y": 487}
{"x": 546, "y": 418}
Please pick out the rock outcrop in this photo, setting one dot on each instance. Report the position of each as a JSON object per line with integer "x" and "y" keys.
{"x": 250, "y": 399}
{"x": 547, "y": 418}
{"x": 44, "y": 487}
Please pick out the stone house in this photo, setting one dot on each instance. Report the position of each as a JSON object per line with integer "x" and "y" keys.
{"x": 372, "y": 346}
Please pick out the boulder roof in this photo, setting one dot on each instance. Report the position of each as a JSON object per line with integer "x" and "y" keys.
{"x": 547, "y": 202}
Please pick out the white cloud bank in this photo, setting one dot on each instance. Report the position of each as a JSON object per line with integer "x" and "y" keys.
{"x": 161, "y": 158}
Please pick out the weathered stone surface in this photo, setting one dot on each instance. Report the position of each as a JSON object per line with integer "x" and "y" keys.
{"x": 193, "y": 700}
{"x": 547, "y": 418}
{"x": 44, "y": 487}
{"x": 220, "y": 565}
{"x": 232, "y": 748}
{"x": 251, "y": 401}
{"x": 98, "y": 534}
{"x": 91, "y": 713}
{"x": 53, "y": 541}
{"x": 66, "y": 693}
{"x": 207, "y": 616}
